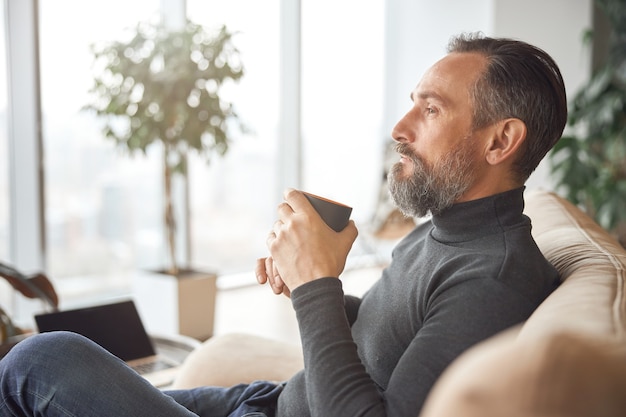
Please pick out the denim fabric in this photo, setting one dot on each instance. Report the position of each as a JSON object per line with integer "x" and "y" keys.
{"x": 257, "y": 399}
{"x": 64, "y": 374}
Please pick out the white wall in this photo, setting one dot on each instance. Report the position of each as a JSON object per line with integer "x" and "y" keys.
{"x": 418, "y": 31}
{"x": 417, "y": 36}
{"x": 557, "y": 27}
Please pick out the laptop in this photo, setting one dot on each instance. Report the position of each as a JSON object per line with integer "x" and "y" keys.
{"x": 118, "y": 328}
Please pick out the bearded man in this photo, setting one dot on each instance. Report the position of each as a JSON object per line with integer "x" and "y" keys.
{"x": 481, "y": 120}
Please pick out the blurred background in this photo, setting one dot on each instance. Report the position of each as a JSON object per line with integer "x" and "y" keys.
{"x": 324, "y": 83}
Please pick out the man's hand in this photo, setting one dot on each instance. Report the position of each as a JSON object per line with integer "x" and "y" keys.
{"x": 266, "y": 273}
{"x": 303, "y": 247}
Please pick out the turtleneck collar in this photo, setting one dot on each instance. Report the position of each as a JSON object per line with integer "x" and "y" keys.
{"x": 477, "y": 218}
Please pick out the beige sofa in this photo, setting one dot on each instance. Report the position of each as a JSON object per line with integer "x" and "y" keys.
{"x": 570, "y": 354}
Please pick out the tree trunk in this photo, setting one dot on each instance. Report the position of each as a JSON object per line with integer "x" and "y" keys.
{"x": 170, "y": 221}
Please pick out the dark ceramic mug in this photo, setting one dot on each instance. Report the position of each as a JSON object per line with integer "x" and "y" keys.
{"x": 336, "y": 215}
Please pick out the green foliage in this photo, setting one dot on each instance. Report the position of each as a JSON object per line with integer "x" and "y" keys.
{"x": 165, "y": 87}
{"x": 590, "y": 164}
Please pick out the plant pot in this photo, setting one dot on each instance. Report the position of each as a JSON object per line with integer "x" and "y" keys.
{"x": 182, "y": 304}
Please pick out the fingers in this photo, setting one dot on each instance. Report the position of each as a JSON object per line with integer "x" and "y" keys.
{"x": 266, "y": 272}
{"x": 276, "y": 282}
{"x": 296, "y": 201}
{"x": 259, "y": 271}
{"x": 351, "y": 231}
{"x": 303, "y": 245}
{"x": 276, "y": 228}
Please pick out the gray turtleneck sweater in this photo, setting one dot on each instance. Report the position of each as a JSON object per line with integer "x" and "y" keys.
{"x": 470, "y": 272}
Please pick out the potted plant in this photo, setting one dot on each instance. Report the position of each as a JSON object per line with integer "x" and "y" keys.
{"x": 32, "y": 286}
{"x": 162, "y": 87}
{"x": 589, "y": 164}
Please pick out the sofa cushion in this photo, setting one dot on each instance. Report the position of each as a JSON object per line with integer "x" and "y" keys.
{"x": 234, "y": 358}
{"x": 592, "y": 265}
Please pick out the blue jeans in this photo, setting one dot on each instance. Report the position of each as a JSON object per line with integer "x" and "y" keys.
{"x": 64, "y": 374}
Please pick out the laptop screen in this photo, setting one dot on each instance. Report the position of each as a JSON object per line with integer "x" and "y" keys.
{"x": 116, "y": 327}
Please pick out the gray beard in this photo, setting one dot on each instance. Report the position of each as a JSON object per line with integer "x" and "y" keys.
{"x": 431, "y": 189}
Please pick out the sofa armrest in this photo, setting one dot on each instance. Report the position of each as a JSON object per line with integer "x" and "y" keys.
{"x": 561, "y": 374}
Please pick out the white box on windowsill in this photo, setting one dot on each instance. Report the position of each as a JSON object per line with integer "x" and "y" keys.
{"x": 177, "y": 305}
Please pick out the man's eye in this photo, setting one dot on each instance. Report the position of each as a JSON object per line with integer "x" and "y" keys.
{"x": 431, "y": 110}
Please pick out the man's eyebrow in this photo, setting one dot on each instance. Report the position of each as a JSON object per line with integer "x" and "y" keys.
{"x": 429, "y": 94}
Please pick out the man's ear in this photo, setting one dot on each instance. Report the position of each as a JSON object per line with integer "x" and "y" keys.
{"x": 508, "y": 136}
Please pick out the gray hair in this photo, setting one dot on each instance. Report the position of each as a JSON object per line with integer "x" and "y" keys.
{"x": 523, "y": 82}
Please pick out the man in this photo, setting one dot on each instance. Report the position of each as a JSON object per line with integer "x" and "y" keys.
{"x": 481, "y": 120}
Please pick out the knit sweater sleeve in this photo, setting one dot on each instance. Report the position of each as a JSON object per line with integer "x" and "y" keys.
{"x": 337, "y": 383}
{"x": 352, "y": 304}
{"x": 330, "y": 353}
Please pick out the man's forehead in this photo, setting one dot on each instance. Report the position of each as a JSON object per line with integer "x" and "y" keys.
{"x": 452, "y": 72}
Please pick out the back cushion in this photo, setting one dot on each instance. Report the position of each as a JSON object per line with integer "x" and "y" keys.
{"x": 592, "y": 265}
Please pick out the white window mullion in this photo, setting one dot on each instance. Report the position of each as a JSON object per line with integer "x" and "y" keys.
{"x": 290, "y": 138}
{"x": 24, "y": 137}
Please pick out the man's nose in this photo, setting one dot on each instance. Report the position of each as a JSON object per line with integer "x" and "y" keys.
{"x": 401, "y": 132}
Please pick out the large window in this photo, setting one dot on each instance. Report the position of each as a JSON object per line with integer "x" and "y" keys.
{"x": 102, "y": 207}
{"x": 232, "y": 199}
{"x": 4, "y": 153}
{"x": 342, "y": 103}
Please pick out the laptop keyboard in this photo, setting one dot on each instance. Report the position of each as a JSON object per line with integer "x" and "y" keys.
{"x": 148, "y": 367}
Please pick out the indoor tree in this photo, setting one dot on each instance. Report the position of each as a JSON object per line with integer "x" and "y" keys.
{"x": 163, "y": 86}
